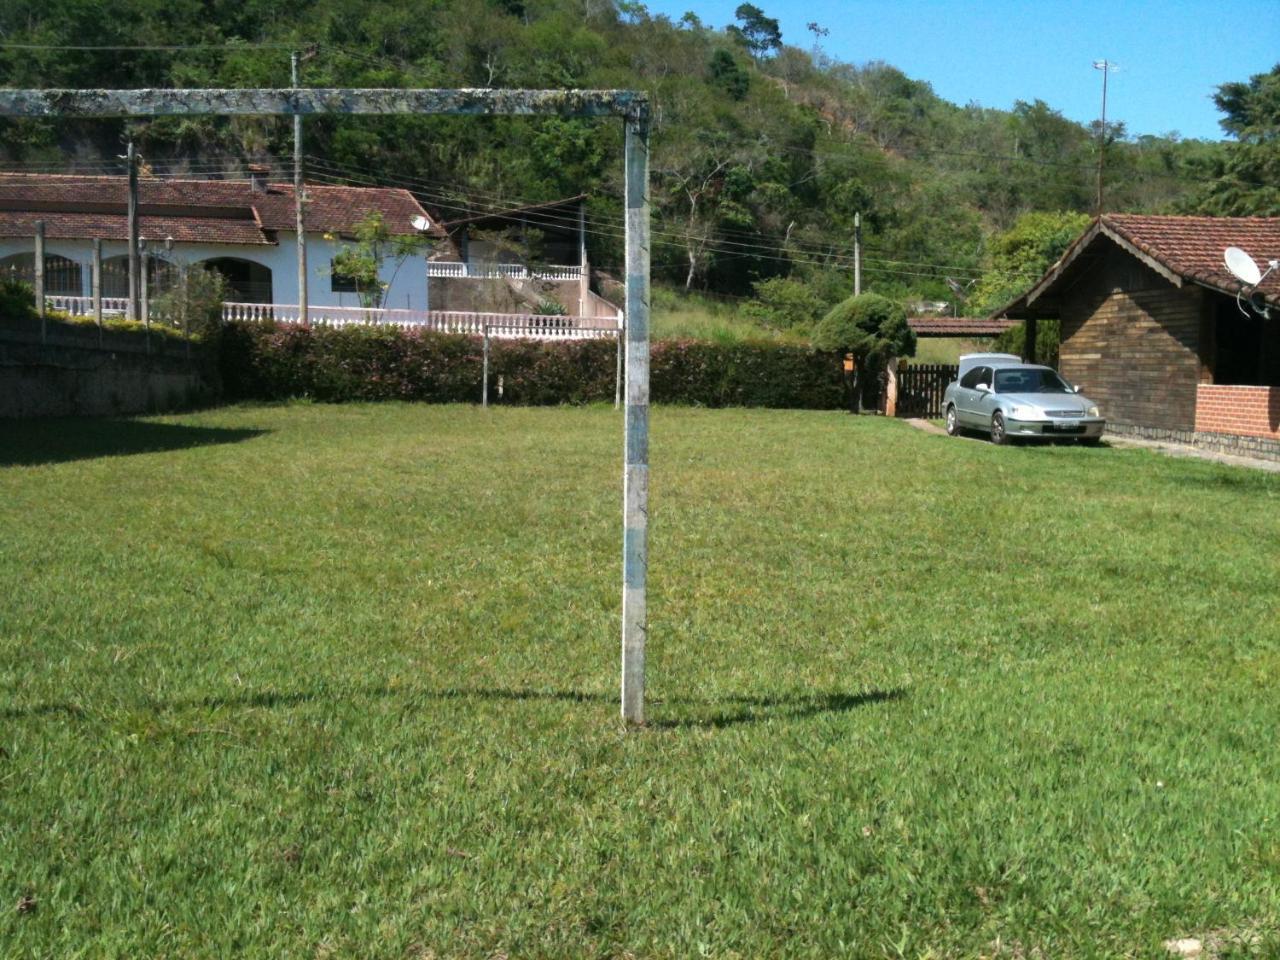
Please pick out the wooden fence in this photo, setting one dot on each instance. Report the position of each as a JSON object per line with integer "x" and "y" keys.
{"x": 920, "y": 388}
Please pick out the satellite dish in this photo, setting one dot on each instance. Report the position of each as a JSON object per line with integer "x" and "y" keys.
{"x": 1242, "y": 266}
{"x": 422, "y": 223}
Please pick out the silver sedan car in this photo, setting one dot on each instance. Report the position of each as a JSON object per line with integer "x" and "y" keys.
{"x": 1011, "y": 400}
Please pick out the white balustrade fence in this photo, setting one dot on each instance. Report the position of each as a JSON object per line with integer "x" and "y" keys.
{"x": 83, "y": 306}
{"x": 499, "y": 325}
{"x": 501, "y": 271}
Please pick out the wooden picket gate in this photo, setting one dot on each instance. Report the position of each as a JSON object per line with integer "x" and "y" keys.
{"x": 920, "y": 388}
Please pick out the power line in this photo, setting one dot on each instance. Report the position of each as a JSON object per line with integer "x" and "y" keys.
{"x": 441, "y": 200}
{"x": 121, "y": 48}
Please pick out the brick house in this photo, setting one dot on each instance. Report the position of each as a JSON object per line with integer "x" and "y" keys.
{"x": 1152, "y": 329}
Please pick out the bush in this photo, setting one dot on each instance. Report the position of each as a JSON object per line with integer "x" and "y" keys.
{"x": 874, "y": 329}
{"x": 198, "y": 302}
{"x": 784, "y": 303}
{"x": 267, "y": 361}
{"x": 17, "y": 300}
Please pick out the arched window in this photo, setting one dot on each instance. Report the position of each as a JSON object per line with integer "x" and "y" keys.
{"x": 161, "y": 276}
{"x": 247, "y": 282}
{"x": 62, "y": 277}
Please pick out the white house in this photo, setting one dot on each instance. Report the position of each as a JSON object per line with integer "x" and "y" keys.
{"x": 245, "y": 229}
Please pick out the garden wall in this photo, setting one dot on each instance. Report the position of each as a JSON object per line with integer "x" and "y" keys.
{"x": 267, "y": 361}
{"x": 76, "y": 370}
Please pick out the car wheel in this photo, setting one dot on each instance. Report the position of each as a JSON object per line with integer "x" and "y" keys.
{"x": 999, "y": 435}
{"x": 953, "y": 425}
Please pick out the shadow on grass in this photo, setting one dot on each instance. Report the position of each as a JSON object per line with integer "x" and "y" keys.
{"x": 725, "y": 711}
{"x": 31, "y": 442}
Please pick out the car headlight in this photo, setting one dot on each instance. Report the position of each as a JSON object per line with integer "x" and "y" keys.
{"x": 1093, "y": 411}
{"x": 1020, "y": 412}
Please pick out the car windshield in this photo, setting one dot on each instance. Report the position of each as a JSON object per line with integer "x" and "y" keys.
{"x": 1030, "y": 381}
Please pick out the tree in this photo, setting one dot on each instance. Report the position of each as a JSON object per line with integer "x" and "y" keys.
{"x": 761, "y": 34}
{"x": 1247, "y": 178}
{"x": 728, "y": 76}
{"x": 1021, "y": 255}
{"x": 871, "y": 327}
{"x": 375, "y": 245}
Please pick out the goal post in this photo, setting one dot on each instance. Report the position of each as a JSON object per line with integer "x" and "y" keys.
{"x": 630, "y": 106}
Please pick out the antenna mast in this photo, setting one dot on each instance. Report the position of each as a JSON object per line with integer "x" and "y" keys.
{"x": 1106, "y": 66}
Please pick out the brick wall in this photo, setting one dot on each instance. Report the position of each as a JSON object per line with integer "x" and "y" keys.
{"x": 1238, "y": 411}
{"x": 1131, "y": 340}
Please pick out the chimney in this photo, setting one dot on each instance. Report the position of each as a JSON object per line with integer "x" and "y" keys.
{"x": 258, "y": 173}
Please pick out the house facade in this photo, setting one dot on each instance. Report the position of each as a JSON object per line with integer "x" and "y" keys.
{"x": 244, "y": 229}
{"x": 1155, "y": 328}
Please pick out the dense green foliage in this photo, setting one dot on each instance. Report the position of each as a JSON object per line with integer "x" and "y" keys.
{"x": 1246, "y": 177}
{"x": 267, "y": 362}
{"x": 872, "y": 328}
{"x": 1020, "y": 255}
{"x": 763, "y": 152}
{"x": 317, "y": 682}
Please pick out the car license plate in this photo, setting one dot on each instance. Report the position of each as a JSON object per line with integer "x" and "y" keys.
{"x": 1068, "y": 424}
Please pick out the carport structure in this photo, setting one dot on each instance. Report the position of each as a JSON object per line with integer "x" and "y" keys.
{"x": 630, "y": 106}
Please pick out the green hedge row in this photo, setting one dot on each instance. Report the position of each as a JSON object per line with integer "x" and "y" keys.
{"x": 265, "y": 361}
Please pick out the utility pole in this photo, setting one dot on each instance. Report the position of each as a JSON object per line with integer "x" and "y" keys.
{"x": 1106, "y": 66}
{"x": 135, "y": 312}
{"x": 857, "y": 254}
{"x": 297, "y": 202}
{"x": 38, "y": 266}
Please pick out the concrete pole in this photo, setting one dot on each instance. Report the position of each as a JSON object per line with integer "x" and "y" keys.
{"x": 38, "y": 264}
{"x": 135, "y": 310}
{"x": 484, "y": 392}
{"x": 299, "y": 225}
{"x": 97, "y": 285}
{"x": 620, "y": 338}
{"x": 143, "y": 278}
{"x": 635, "y": 482}
{"x": 857, "y": 254}
{"x": 584, "y": 281}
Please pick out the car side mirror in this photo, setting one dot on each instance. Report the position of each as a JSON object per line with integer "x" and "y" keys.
{"x": 982, "y": 388}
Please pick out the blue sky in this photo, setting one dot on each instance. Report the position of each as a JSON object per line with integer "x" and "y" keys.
{"x": 1172, "y": 54}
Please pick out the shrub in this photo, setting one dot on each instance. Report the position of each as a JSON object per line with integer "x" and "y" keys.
{"x": 199, "y": 302}
{"x": 874, "y": 329}
{"x": 17, "y": 300}
{"x": 268, "y": 361}
{"x": 785, "y": 303}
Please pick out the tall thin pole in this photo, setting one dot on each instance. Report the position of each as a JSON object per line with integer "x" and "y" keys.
{"x": 584, "y": 278}
{"x": 1105, "y": 66}
{"x": 484, "y": 392}
{"x": 297, "y": 202}
{"x": 857, "y": 254}
{"x": 635, "y": 483}
{"x": 620, "y": 337}
{"x": 38, "y": 264}
{"x": 135, "y": 311}
{"x": 97, "y": 285}
{"x": 142, "y": 285}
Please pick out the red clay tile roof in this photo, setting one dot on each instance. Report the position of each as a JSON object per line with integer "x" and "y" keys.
{"x": 1187, "y": 248}
{"x": 958, "y": 326}
{"x": 1193, "y": 246}
{"x": 205, "y": 211}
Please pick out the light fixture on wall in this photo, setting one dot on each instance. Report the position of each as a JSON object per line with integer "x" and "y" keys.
{"x": 1243, "y": 268}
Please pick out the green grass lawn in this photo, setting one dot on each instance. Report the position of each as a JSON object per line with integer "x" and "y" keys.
{"x": 340, "y": 681}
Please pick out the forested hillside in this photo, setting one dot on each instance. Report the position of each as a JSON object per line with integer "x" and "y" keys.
{"x": 764, "y": 148}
